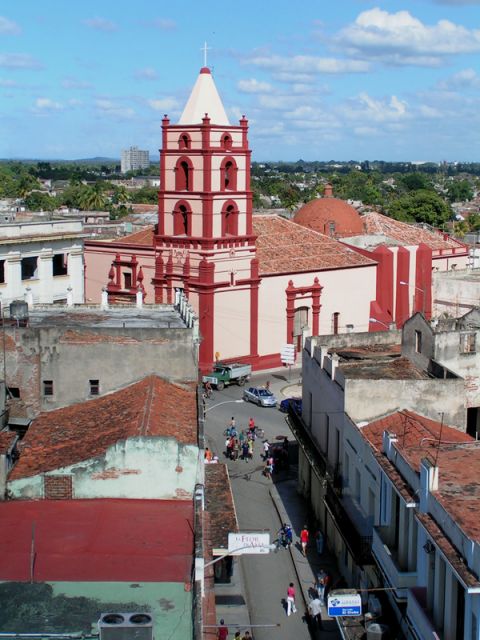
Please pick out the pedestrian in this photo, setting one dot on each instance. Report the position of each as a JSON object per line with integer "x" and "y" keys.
{"x": 222, "y": 631}
{"x": 327, "y": 581}
{"x": 304, "y": 539}
{"x": 267, "y": 472}
{"x": 235, "y": 449}
{"x": 245, "y": 450}
{"x": 266, "y": 448}
{"x": 291, "y": 608}
{"x": 285, "y": 443}
{"x": 237, "y": 636}
{"x": 251, "y": 424}
{"x": 247, "y": 636}
{"x": 233, "y": 426}
{"x": 250, "y": 448}
{"x": 319, "y": 541}
{"x": 320, "y": 584}
{"x": 208, "y": 455}
{"x": 270, "y": 464}
{"x": 315, "y": 610}
{"x": 267, "y": 385}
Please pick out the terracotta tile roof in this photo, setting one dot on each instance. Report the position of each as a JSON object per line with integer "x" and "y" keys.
{"x": 417, "y": 434}
{"x": 458, "y": 454}
{"x": 97, "y": 540}
{"x": 220, "y": 507}
{"x": 151, "y": 407}
{"x": 143, "y": 237}
{"x": 406, "y": 234}
{"x": 286, "y": 247}
{"x": 7, "y": 440}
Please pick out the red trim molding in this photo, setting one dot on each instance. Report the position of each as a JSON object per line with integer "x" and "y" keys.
{"x": 292, "y": 293}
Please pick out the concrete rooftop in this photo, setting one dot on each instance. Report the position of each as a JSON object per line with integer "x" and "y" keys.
{"x": 118, "y": 316}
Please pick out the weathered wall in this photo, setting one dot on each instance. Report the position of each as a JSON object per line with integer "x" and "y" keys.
{"x": 71, "y": 357}
{"x": 139, "y": 468}
{"x": 420, "y": 358}
{"x": 369, "y": 399}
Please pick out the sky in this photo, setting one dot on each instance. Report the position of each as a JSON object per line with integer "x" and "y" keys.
{"x": 346, "y": 80}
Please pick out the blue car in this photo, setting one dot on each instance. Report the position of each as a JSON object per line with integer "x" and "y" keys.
{"x": 295, "y": 403}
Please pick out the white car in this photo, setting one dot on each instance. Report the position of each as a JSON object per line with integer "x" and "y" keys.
{"x": 261, "y": 396}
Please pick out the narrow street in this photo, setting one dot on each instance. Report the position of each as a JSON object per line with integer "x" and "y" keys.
{"x": 266, "y": 577}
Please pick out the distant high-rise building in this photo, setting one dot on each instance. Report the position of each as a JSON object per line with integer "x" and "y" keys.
{"x": 134, "y": 158}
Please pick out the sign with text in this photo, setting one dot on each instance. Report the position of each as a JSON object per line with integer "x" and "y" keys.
{"x": 287, "y": 354}
{"x": 344, "y": 603}
{"x": 240, "y": 543}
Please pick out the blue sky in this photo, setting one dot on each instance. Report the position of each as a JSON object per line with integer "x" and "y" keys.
{"x": 391, "y": 80}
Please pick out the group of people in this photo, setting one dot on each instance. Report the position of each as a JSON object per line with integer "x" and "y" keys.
{"x": 222, "y": 633}
{"x": 240, "y": 444}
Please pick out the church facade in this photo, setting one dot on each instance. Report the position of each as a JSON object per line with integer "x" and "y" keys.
{"x": 256, "y": 282}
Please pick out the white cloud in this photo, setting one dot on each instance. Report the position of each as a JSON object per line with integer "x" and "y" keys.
{"x": 18, "y": 61}
{"x": 163, "y": 104}
{"x": 9, "y": 27}
{"x": 364, "y": 108}
{"x": 46, "y": 104}
{"x": 399, "y": 38}
{"x": 308, "y": 65}
{"x": 4, "y": 82}
{"x": 254, "y": 86}
{"x": 100, "y": 24}
{"x": 108, "y": 108}
{"x": 147, "y": 73}
{"x": 464, "y": 79}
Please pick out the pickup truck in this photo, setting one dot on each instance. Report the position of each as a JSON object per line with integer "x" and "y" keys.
{"x": 225, "y": 374}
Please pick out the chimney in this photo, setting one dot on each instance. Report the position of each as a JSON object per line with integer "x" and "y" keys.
{"x": 388, "y": 440}
{"x": 428, "y": 482}
{"x": 328, "y": 191}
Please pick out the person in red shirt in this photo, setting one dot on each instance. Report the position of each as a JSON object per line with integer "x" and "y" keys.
{"x": 222, "y": 631}
{"x": 304, "y": 539}
{"x": 291, "y": 608}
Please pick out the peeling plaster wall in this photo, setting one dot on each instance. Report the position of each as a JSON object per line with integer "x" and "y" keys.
{"x": 71, "y": 358}
{"x": 139, "y": 468}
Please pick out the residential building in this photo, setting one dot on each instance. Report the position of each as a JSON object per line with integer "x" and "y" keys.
{"x": 454, "y": 344}
{"x": 64, "y": 355}
{"x": 42, "y": 262}
{"x": 133, "y": 159}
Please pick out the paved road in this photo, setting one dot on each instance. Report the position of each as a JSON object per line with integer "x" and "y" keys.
{"x": 266, "y": 577}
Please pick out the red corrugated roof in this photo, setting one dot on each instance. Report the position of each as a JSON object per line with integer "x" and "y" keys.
{"x": 151, "y": 407}
{"x": 97, "y": 540}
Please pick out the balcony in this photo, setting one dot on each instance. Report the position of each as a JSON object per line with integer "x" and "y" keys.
{"x": 385, "y": 557}
{"x": 360, "y": 547}
{"x": 418, "y": 616}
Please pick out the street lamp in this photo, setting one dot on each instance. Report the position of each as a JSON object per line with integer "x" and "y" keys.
{"x": 421, "y": 289}
{"x": 375, "y": 321}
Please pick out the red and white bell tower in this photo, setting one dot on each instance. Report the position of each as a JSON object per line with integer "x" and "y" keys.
{"x": 204, "y": 241}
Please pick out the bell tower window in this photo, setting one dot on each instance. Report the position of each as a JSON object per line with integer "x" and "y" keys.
{"x": 181, "y": 221}
{"x": 227, "y": 141}
{"x": 184, "y": 141}
{"x": 230, "y": 221}
{"x": 184, "y": 175}
{"x": 228, "y": 175}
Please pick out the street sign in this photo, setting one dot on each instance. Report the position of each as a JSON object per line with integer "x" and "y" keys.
{"x": 344, "y": 603}
{"x": 287, "y": 354}
{"x": 240, "y": 543}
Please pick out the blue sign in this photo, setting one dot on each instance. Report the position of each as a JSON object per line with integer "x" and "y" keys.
{"x": 344, "y": 604}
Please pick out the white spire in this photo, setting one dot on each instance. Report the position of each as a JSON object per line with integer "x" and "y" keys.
{"x": 204, "y": 99}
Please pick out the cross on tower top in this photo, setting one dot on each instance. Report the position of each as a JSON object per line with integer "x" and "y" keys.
{"x": 205, "y": 49}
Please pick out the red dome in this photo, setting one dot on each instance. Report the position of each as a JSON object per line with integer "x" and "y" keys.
{"x": 330, "y": 216}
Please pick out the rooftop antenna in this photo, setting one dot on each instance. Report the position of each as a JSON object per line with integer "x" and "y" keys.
{"x": 439, "y": 439}
{"x": 205, "y": 49}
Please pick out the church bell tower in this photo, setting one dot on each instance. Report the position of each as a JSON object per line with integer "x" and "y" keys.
{"x": 204, "y": 241}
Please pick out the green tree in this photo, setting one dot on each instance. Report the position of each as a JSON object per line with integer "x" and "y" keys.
{"x": 421, "y": 206}
{"x": 145, "y": 195}
{"x": 459, "y": 191}
{"x": 40, "y": 201}
{"x": 415, "y": 181}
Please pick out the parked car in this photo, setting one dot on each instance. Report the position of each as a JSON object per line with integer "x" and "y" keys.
{"x": 263, "y": 397}
{"x": 295, "y": 403}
